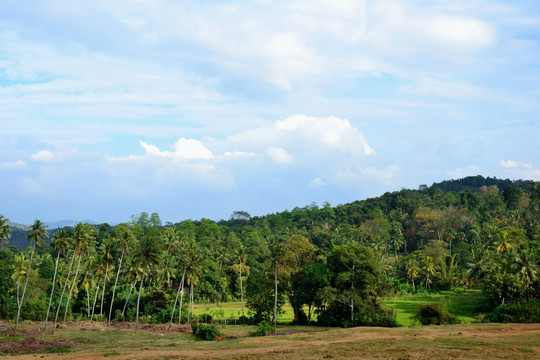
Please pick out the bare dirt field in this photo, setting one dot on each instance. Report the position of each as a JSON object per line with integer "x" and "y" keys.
{"x": 91, "y": 340}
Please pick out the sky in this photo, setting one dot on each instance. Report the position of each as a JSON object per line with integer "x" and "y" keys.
{"x": 197, "y": 109}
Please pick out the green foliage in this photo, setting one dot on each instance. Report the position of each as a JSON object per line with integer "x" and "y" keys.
{"x": 523, "y": 311}
{"x": 435, "y": 314}
{"x": 194, "y": 322}
{"x": 263, "y": 328}
{"x": 207, "y": 332}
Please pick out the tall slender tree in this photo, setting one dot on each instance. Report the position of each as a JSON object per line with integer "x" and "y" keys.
{"x": 37, "y": 233}
{"x": 61, "y": 239}
{"x": 107, "y": 250}
{"x": 148, "y": 256}
{"x": 126, "y": 238}
{"x": 84, "y": 235}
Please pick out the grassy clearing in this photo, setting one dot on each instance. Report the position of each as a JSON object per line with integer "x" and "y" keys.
{"x": 233, "y": 310}
{"x": 473, "y": 341}
{"x": 462, "y": 304}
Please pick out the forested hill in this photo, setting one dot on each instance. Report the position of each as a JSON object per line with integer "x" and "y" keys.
{"x": 475, "y": 183}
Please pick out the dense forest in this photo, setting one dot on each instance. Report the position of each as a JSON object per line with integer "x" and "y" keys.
{"x": 332, "y": 264}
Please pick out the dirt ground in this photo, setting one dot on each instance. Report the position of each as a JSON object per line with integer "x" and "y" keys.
{"x": 479, "y": 341}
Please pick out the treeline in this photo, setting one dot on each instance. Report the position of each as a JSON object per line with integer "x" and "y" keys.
{"x": 335, "y": 262}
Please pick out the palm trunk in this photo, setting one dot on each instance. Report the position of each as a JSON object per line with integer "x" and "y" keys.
{"x": 129, "y": 296}
{"x": 176, "y": 299}
{"x": 72, "y": 286}
{"x": 181, "y": 301}
{"x": 95, "y": 301}
{"x": 275, "y": 299}
{"x": 190, "y": 306}
{"x": 88, "y": 300}
{"x": 242, "y": 295}
{"x": 25, "y": 285}
{"x": 63, "y": 290}
{"x": 114, "y": 288}
{"x": 103, "y": 292}
{"x": 50, "y": 299}
{"x": 138, "y": 302}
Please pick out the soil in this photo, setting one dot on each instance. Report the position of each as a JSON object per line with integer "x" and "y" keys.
{"x": 400, "y": 343}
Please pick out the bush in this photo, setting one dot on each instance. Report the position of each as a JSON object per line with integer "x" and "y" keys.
{"x": 434, "y": 314}
{"x": 194, "y": 324}
{"x": 524, "y": 311}
{"x": 205, "y": 318}
{"x": 263, "y": 328}
{"x": 207, "y": 332}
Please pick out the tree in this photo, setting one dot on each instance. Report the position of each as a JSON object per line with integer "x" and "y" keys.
{"x": 241, "y": 260}
{"x": 37, "y": 233}
{"x": 125, "y": 236}
{"x": 61, "y": 239}
{"x": 147, "y": 257}
{"x": 298, "y": 254}
{"x": 5, "y": 230}
{"x": 107, "y": 250}
{"x": 84, "y": 235}
{"x": 429, "y": 268}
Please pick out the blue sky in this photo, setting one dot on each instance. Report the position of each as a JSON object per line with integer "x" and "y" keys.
{"x": 199, "y": 108}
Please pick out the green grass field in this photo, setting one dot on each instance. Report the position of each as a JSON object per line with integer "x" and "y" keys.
{"x": 460, "y": 303}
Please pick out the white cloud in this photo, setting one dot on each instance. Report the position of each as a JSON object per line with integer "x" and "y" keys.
{"x": 515, "y": 164}
{"x": 184, "y": 148}
{"x": 14, "y": 165}
{"x": 42, "y": 156}
{"x": 279, "y": 155}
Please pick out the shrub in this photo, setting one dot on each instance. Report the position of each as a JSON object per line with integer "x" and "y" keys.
{"x": 434, "y": 314}
{"x": 207, "y": 332}
{"x": 194, "y": 324}
{"x": 205, "y": 318}
{"x": 263, "y": 328}
{"x": 524, "y": 311}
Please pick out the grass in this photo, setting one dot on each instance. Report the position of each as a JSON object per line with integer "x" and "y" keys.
{"x": 461, "y": 304}
{"x": 463, "y": 341}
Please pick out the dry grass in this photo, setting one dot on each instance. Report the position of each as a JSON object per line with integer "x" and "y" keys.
{"x": 477, "y": 341}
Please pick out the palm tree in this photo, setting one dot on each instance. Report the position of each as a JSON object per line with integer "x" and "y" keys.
{"x": 135, "y": 274}
{"x": 20, "y": 273}
{"x": 241, "y": 256}
{"x": 277, "y": 253}
{"x": 429, "y": 268}
{"x": 5, "y": 230}
{"x": 147, "y": 257}
{"x": 126, "y": 238}
{"x": 61, "y": 240}
{"x": 36, "y": 235}
{"x": 107, "y": 251}
{"x": 412, "y": 272}
{"x": 84, "y": 235}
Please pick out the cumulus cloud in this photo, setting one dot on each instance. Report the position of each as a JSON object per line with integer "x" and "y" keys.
{"x": 42, "y": 156}
{"x": 316, "y": 183}
{"x": 279, "y": 155}
{"x": 521, "y": 170}
{"x": 184, "y": 148}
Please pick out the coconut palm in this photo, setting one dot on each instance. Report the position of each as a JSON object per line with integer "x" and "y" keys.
{"x": 37, "y": 233}
{"x": 5, "y": 230}
{"x": 107, "y": 250}
{"x": 124, "y": 234}
{"x": 19, "y": 274}
{"x": 412, "y": 271}
{"x": 84, "y": 235}
{"x": 429, "y": 268}
{"x": 60, "y": 239}
{"x": 241, "y": 257}
{"x": 148, "y": 256}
